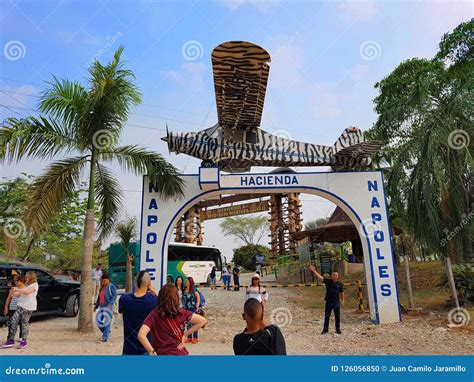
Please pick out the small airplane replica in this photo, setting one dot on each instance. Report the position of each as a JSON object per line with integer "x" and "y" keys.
{"x": 236, "y": 142}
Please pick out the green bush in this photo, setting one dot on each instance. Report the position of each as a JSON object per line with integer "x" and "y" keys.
{"x": 245, "y": 256}
{"x": 464, "y": 280}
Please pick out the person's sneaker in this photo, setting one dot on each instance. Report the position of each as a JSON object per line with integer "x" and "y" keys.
{"x": 187, "y": 340}
{"x": 8, "y": 344}
{"x": 22, "y": 345}
{"x": 338, "y": 332}
{"x": 324, "y": 332}
{"x": 195, "y": 341}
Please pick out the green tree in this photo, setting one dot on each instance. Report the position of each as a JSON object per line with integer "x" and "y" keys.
{"x": 249, "y": 230}
{"x": 86, "y": 121}
{"x": 245, "y": 255}
{"x": 316, "y": 223}
{"x": 13, "y": 195}
{"x": 127, "y": 232}
{"x": 425, "y": 123}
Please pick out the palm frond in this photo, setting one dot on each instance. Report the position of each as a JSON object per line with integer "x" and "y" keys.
{"x": 64, "y": 100}
{"x": 112, "y": 95}
{"x": 50, "y": 189}
{"x": 109, "y": 199}
{"x": 35, "y": 138}
{"x": 126, "y": 231}
{"x": 141, "y": 161}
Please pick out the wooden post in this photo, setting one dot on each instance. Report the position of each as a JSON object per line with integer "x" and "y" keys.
{"x": 360, "y": 296}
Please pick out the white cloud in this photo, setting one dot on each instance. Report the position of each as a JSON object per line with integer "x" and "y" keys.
{"x": 324, "y": 102}
{"x": 357, "y": 72}
{"x": 359, "y": 10}
{"x": 262, "y": 5}
{"x": 285, "y": 68}
{"x": 190, "y": 75}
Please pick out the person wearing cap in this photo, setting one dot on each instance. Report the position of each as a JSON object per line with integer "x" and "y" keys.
{"x": 254, "y": 290}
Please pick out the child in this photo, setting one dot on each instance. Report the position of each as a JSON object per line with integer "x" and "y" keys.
{"x": 258, "y": 338}
{"x": 26, "y": 305}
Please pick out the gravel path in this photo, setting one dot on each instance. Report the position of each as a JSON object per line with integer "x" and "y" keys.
{"x": 301, "y": 327}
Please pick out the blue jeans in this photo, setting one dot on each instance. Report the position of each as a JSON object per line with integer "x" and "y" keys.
{"x": 193, "y": 335}
{"x": 103, "y": 320}
{"x": 227, "y": 281}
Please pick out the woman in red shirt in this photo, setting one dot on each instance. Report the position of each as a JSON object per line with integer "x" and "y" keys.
{"x": 167, "y": 324}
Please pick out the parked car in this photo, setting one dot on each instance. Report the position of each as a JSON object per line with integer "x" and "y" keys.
{"x": 54, "y": 295}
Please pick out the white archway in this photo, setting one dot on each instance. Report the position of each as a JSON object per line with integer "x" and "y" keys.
{"x": 360, "y": 194}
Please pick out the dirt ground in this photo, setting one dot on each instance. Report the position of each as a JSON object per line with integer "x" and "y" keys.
{"x": 300, "y": 322}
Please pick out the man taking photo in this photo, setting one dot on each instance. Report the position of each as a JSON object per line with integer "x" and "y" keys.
{"x": 334, "y": 298}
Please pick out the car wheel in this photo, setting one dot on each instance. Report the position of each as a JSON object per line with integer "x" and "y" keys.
{"x": 72, "y": 306}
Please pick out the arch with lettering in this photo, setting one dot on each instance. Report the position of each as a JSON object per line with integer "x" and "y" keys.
{"x": 359, "y": 193}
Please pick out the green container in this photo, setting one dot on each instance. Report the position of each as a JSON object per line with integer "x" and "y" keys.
{"x": 118, "y": 262}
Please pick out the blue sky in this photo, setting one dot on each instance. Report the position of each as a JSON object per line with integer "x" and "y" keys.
{"x": 326, "y": 57}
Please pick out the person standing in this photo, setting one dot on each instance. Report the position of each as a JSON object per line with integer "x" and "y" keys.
{"x": 96, "y": 277}
{"x": 167, "y": 324}
{"x": 256, "y": 291}
{"x": 16, "y": 282}
{"x": 26, "y": 305}
{"x": 105, "y": 306}
{"x": 236, "y": 274}
{"x": 212, "y": 277}
{"x": 226, "y": 277}
{"x": 135, "y": 307}
{"x": 334, "y": 298}
{"x": 258, "y": 338}
{"x": 191, "y": 302}
{"x": 179, "y": 285}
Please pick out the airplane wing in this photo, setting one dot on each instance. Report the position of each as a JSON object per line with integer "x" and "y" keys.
{"x": 240, "y": 71}
{"x": 362, "y": 149}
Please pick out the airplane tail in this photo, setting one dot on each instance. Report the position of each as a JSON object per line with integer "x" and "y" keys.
{"x": 352, "y": 148}
{"x": 349, "y": 137}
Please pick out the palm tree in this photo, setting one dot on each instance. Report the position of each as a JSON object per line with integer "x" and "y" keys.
{"x": 85, "y": 122}
{"x": 127, "y": 231}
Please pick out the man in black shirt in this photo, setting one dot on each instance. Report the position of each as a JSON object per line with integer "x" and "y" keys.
{"x": 257, "y": 338}
{"x": 334, "y": 298}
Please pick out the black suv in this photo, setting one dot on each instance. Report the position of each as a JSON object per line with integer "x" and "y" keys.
{"x": 54, "y": 295}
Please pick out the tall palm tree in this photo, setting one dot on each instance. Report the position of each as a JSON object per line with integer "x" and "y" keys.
{"x": 85, "y": 122}
{"x": 127, "y": 231}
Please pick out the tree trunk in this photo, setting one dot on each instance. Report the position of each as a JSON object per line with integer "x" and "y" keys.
{"x": 452, "y": 285}
{"x": 129, "y": 271}
{"x": 409, "y": 288}
{"x": 85, "y": 304}
{"x": 28, "y": 250}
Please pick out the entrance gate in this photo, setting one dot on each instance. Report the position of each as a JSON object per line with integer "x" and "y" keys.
{"x": 360, "y": 194}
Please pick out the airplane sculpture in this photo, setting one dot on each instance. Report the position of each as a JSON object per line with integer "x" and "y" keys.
{"x": 236, "y": 142}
